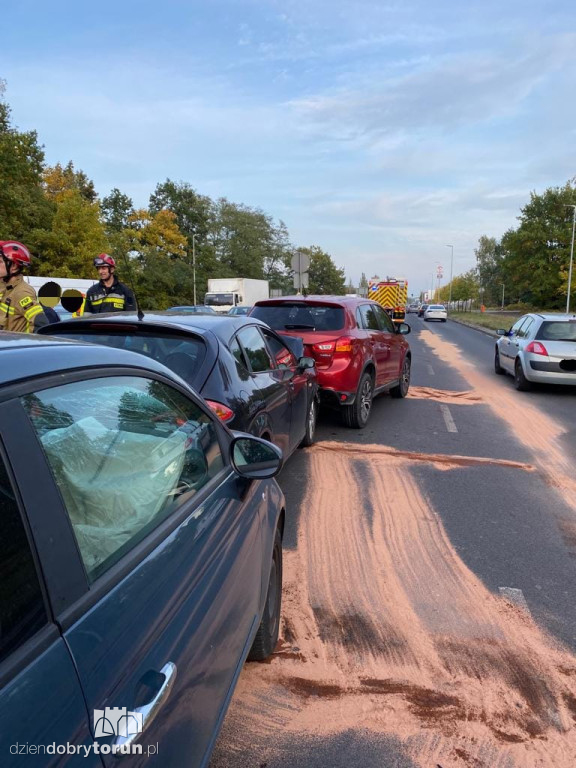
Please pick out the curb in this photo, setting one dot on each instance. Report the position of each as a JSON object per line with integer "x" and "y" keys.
{"x": 486, "y": 331}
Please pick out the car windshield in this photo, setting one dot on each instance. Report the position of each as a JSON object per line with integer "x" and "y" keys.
{"x": 182, "y": 354}
{"x": 301, "y": 316}
{"x": 219, "y": 299}
{"x": 557, "y": 330}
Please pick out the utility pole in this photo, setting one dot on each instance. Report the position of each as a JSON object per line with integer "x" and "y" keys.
{"x": 194, "y": 236}
{"x": 571, "y": 259}
{"x": 503, "y": 289}
{"x": 451, "y": 265}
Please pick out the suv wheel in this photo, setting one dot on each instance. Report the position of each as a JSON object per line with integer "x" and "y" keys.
{"x": 357, "y": 414}
{"x": 401, "y": 390}
{"x": 308, "y": 438}
{"x": 267, "y": 635}
{"x": 520, "y": 381}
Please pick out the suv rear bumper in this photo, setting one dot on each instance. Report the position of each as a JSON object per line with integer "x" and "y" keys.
{"x": 334, "y": 398}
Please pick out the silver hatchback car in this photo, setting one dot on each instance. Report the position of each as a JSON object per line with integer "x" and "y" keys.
{"x": 539, "y": 348}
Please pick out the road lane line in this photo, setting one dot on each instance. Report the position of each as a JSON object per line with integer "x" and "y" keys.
{"x": 430, "y": 370}
{"x": 515, "y": 596}
{"x": 450, "y": 425}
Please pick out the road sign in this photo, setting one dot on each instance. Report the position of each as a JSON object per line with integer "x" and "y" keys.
{"x": 300, "y": 262}
{"x": 300, "y": 265}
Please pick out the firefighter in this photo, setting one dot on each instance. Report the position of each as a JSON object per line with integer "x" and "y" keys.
{"x": 19, "y": 306}
{"x": 108, "y": 295}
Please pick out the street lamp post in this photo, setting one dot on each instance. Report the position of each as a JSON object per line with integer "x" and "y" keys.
{"x": 194, "y": 236}
{"x": 571, "y": 258}
{"x": 503, "y": 289}
{"x": 451, "y": 266}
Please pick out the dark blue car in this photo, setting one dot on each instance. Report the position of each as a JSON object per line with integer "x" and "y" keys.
{"x": 140, "y": 557}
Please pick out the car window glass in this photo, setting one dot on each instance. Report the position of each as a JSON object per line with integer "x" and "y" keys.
{"x": 369, "y": 319}
{"x": 301, "y": 316}
{"x": 182, "y": 353}
{"x": 255, "y": 349}
{"x": 22, "y": 611}
{"x": 283, "y": 357}
{"x": 517, "y": 325}
{"x": 125, "y": 452}
{"x": 524, "y": 330}
{"x": 384, "y": 320}
{"x": 557, "y": 330}
{"x": 238, "y": 353}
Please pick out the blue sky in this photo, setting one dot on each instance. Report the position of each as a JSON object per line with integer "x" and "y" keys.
{"x": 380, "y": 131}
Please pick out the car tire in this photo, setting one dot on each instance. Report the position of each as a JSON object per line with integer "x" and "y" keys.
{"x": 401, "y": 390}
{"x": 443, "y": 321}
{"x": 520, "y": 381}
{"x": 269, "y": 629}
{"x": 356, "y": 415}
{"x": 311, "y": 417}
{"x": 497, "y": 367}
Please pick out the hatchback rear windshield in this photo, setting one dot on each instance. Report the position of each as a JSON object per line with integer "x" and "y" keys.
{"x": 182, "y": 354}
{"x": 557, "y": 330}
{"x": 304, "y": 317}
{"x": 436, "y": 306}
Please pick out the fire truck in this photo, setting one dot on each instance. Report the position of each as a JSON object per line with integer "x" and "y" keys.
{"x": 392, "y": 295}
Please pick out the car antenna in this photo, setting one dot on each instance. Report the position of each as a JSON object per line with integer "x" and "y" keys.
{"x": 139, "y": 311}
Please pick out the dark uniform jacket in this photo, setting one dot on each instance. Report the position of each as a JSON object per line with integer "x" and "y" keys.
{"x": 117, "y": 298}
{"x": 19, "y": 307}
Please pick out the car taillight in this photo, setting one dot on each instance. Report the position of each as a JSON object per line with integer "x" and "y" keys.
{"x": 536, "y": 348}
{"x": 222, "y": 411}
{"x": 343, "y": 344}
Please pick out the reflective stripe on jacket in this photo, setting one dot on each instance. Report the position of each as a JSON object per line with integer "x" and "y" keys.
{"x": 19, "y": 307}
{"x": 117, "y": 298}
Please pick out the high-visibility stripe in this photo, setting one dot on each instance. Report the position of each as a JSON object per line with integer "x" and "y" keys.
{"x": 31, "y": 313}
{"x": 7, "y": 309}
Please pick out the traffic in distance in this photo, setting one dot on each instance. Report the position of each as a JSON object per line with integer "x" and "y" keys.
{"x": 145, "y": 535}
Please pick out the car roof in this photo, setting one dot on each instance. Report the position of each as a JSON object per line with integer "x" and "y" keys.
{"x": 26, "y": 356}
{"x": 222, "y": 326}
{"x": 554, "y": 316}
{"x": 320, "y": 299}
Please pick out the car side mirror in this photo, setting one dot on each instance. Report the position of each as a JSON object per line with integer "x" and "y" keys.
{"x": 403, "y": 328}
{"x": 306, "y": 363}
{"x": 502, "y": 332}
{"x": 255, "y": 458}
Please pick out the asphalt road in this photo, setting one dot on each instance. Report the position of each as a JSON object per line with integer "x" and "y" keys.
{"x": 430, "y": 573}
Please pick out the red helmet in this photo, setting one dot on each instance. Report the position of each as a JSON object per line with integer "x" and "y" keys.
{"x": 15, "y": 252}
{"x": 104, "y": 261}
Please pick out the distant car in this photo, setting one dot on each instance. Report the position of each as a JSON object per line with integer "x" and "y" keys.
{"x": 253, "y": 379}
{"x": 359, "y": 351}
{"x": 412, "y": 308}
{"x": 193, "y": 309}
{"x": 539, "y": 348}
{"x": 239, "y": 310}
{"x": 141, "y": 558}
{"x": 435, "y": 312}
{"x": 421, "y": 309}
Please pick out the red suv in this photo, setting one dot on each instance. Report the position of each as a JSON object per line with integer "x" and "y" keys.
{"x": 359, "y": 351}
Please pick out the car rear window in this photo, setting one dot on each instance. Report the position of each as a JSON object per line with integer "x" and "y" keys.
{"x": 182, "y": 354}
{"x": 557, "y": 330}
{"x": 301, "y": 317}
{"x": 436, "y": 306}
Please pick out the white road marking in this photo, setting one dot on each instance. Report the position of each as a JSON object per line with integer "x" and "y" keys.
{"x": 515, "y": 596}
{"x": 430, "y": 370}
{"x": 450, "y": 425}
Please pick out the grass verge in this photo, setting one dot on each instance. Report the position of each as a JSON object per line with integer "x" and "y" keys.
{"x": 485, "y": 320}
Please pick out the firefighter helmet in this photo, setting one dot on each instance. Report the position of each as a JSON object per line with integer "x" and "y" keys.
{"x": 104, "y": 261}
{"x": 15, "y": 252}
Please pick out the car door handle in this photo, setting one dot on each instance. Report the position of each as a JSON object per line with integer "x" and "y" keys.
{"x": 150, "y": 710}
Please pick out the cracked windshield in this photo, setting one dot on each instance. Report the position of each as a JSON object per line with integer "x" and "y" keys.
{"x": 288, "y": 385}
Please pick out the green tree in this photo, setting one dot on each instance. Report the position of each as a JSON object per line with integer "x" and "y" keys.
{"x": 489, "y": 264}
{"x": 23, "y": 205}
{"x": 324, "y": 276}
{"x": 536, "y": 254}
{"x": 116, "y": 210}
{"x": 59, "y": 179}
{"x": 76, "y": 236}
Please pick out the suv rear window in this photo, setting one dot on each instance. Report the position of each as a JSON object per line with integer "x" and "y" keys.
{"x": 557, "y": 330}
{"x": 294, "y": 316}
